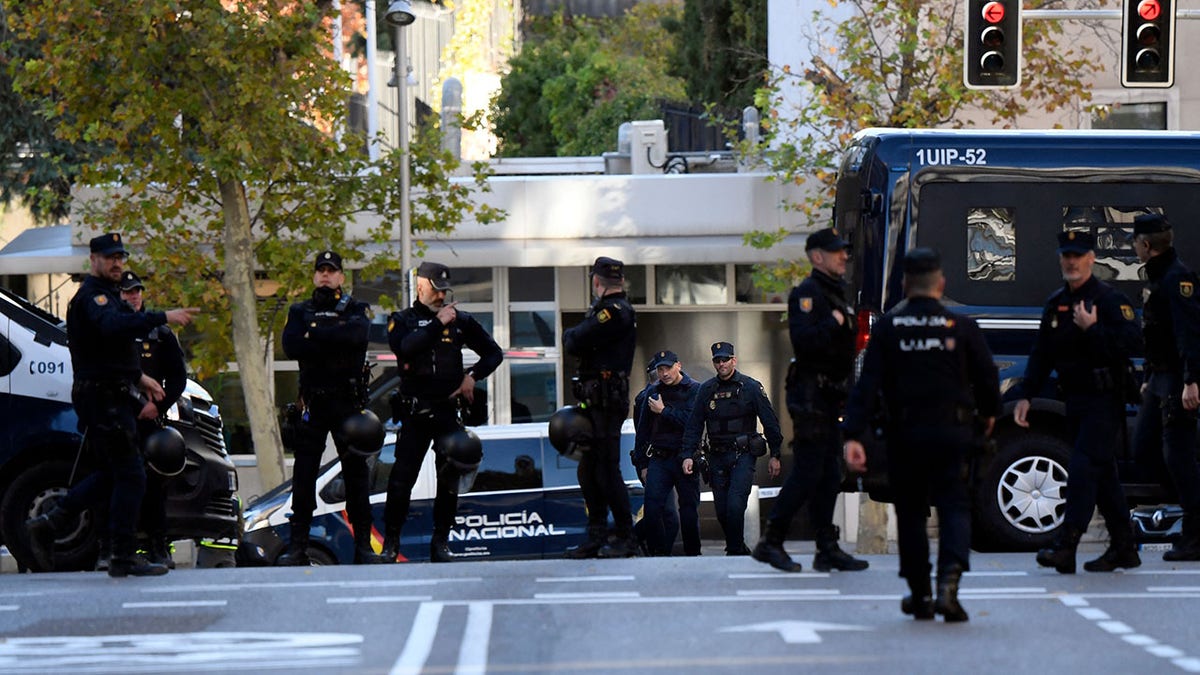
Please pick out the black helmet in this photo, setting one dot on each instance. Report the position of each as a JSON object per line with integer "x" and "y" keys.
{"x": 363, "y": 432}
{"x": 571, "y": 432}
{"x": 165, "y": 451}
{"x": 462, "y": 452}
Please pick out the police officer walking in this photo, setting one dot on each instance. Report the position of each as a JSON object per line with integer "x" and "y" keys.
{"x": 428, "y": 340}
{"x": 728, "y": 409}
{"x": 822, "y": 326}
{"x": 327, "y": 334}
{"x": 1166, "y": 424}
{"x": 604, "y": 343}
{"x": 663, "y": 417}
{"x": 1087, "y": 334}
{"x": 641, "y": 464}
{"x": 936, "y": 375}
{"x": 102, "y": 334}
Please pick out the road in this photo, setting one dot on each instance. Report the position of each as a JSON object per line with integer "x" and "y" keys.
{"x": 663, "y": 615}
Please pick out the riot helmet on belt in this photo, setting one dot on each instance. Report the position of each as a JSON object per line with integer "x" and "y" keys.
{"x": 165, "y": 451}
{"x": 364, "y": 433}
{"x": 462, "y": 451}
{"x": 571, "y": 432}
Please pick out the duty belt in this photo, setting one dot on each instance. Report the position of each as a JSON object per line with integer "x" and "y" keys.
{"x": 665, "y": 453}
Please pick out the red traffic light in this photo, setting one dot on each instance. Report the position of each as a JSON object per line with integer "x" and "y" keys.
{"x": 1148, "y": 9}
{"x": 993, "y": 12}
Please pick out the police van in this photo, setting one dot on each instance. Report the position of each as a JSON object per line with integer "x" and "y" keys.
{"x": 992, "y": 203}
{"x": 40, "y": 453}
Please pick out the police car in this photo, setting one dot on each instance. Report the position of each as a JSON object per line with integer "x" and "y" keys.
{"x": 525, "y": 503}
{"x": 40, "y": 448}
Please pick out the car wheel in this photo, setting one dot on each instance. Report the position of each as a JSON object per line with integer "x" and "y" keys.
{"x": 1020, "y": 498}
{"x": 32, "y": 493}
{"x": 320, "y": 556}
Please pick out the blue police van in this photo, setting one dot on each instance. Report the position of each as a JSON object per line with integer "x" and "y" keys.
{"x": 992, "y": 203}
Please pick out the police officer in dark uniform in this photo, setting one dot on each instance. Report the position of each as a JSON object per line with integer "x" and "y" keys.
{"x": 327, "y": 334}
{"x": 162, "y": 359}
{"x": 1087, "y": 334}
{"x": 102, "y": 333}
{"x": 822, "y": 326}
{"x": 1165, "y": 435}
{"x": 641, "y": 463}
{"x": 936, "y": 375}
{"x": 728, "y": 409}
{"x": 428, "y": 340}
{"x": 663, "y": 416}
{"x": 604, "y": 342}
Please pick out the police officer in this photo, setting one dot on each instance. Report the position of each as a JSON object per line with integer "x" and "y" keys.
{"x": 822, "y": 327}
{"x": 1166, "y": 425}
{"x": 110, "y": 395}
{"x": 604, "y": 342}
{"x": 327, "y": 334}
{"x": 663, "y": 417}
{"x": 162, "y": 360}
{"x": 728, "y": 409}
{"x": 641, "y": 464}
{"x": 1087, "y": 334}
{"x": 428, "y": 340}
{"x": 936, "y": 374}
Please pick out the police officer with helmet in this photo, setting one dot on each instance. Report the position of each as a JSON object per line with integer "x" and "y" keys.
{"x": 936, "y": 376}
{"x": 604, "y": 343}
{"x": 428, "y": 339}
{"x": 327, "y": 334}
{"x": 110, "y": 395}
{"x": 1165, "y": 435}
{"x": 728, "y": 409}
{"x": 822, "y": 327}
{"x": 1087, "y": 335}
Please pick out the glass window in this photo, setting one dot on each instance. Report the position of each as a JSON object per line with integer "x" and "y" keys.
{"x": 509, "y": 464}
{"x": 1130, "y": 116}
{"x": 534, "y": 397}
{"x": 531, "y": 284}
{"x": 690, "y": 284}
{"x": 635, "y": 284}
{"x": 9, "y": 357}
{"x": 531, "y": 328}
{"x": 1113, "y": 228}
{"x": 471, "y": 284}
{"x": 991, "y": 244}
{"x": 748, "y": 288}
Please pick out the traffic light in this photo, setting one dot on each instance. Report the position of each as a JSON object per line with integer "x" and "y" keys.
{"x": 1148, "y": 43}
{"x": 992, "y": 44}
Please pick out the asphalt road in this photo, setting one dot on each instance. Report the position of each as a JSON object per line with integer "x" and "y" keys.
{"x": 710, "y": 614}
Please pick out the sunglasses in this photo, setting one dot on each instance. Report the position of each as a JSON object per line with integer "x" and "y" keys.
{"x": 721, "y": 359}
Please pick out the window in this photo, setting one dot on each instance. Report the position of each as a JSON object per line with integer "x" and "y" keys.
{"x": 1113, "y": 228}
{"x": 746, "y": 291}
{"x": 991, "y": 244}
{"x": 1143, "y": 115}
{"x": 9, "y": 357}
{"x": 509, "y": 464}
{"x": 534, "y": 396}
{"x": 690, "y": 284}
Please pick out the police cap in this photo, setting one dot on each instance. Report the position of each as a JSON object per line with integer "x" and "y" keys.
{"x": 827, "y": 239}
{"x": 130, "y": 281}
{"x": 437, "y": 274}
{"x": 108, "y": 244}
{"x": 1151, "y": 223}
{"x": 922, "y": 261}
{"x": 664, "y": 358}
{"x": 608, "y": 268}
{"x": 328, "y": 259}
{"x": 722, "y": 350}
{"x": 1076, "y": 241}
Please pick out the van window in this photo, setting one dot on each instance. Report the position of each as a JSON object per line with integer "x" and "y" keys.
{"x": 9, "y": 356}
{"x": 510, "y": 464}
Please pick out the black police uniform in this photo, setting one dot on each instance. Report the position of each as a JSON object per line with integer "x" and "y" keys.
{"x": 1092, "y": 369}
{"x": 728, "y": 411}
{"x": 661, "y": 437}
{"x": 429, "y": 357}
{"x": 1165, "y": 436}
{"x": 641, "y": 464}
{"x": 935, "y": 373}
{"x": 604, "y": 343}
{"x": 327, "y": 334}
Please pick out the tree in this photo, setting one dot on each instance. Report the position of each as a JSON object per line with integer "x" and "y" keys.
{"x": 721, "y": 50}
{"x": 220, "y": 121}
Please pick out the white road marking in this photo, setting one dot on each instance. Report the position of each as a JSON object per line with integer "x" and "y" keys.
{"x": 1192, "y": 665}
{"x": 571, "y": 580}
{"x": 1073, "y": 601}
{"x": 380, "y": 598}
{"x": 9, "y": 608}
{"x": 473, "y": 651}
{"x": 995, "y": 574}
{"x": 1173, "y": 589}
{"x": 1139, "y": 640}
{"x": 781, "y": 575}
{"x": 1158, "y": 572}
{"x": 968, "y": 590}
{"x": 173, "y": 603}
{"x": 623, "y": 595}
{"x": 789, "y": 592}
{"x": 794, "y": 632}
{"x": 420, "y": 640}
{"x": 1114, "y": 627}
{"x": 1165, "y": 651}
{"x": 1093, "y": 613}
{"x": 374, "y": 584}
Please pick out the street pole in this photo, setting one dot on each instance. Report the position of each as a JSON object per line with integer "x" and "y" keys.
{"x": 405, "y": 213}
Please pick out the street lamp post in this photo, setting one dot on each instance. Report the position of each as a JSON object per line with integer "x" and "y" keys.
{"x": 399, "y": 15}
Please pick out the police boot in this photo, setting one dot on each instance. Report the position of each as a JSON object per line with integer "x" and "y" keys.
{"x": 104, "y": 553}
{"x": 159, "y": 552}
{"x": 830, "y": 556}
{"x": 391, "y": 547}
{"x": 769, "y": 550}
{"x": 620, "y": 546}
{"x": 1061, "y": 554}
{"x": 439, "y": 551}
{"x": 363, "y": 553}
{"x": 597, "y": 538}
{"x": 296, "y": 554}
{"x": 919, "y": 602}
{"x": 43, "y": 531}
{"x": 947, "y": 595}
{"x": 1121, "y": 551}
{"x": 1187, "y": 547}
{"x": 125, "y": 562}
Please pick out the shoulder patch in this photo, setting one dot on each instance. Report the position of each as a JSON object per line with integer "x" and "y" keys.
{"x": 1186, "y": 288}
{"x": 391, "y": 323}
{"x": 101, "y": 299}
{"x": 805, "y": 305}
{"x": 603, "y": 315}
{"x": 1127, "y": 312}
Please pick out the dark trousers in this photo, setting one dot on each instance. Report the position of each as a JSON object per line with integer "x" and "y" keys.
{"x": 732, "y": 476}
{"x": 930, "y": 469}
{"x": 600, "y": 476}
{"x": 417, "y": 432}
{"x": 816, "y": 474}
{"x": 1165, "y": 438}
{"x": 325, "y": 416}
{"x": 153, "y": 518}
{"x": 664, "y": 475}
{"x": 1094, "y": 421}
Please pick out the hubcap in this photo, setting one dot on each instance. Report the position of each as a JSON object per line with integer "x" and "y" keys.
{"x": 1031, "y": 494}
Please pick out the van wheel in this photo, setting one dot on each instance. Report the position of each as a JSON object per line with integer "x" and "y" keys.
{"x": 1020, "y": 498}
{"x": 32, "y": 493}
{"x": 320, "y": 556}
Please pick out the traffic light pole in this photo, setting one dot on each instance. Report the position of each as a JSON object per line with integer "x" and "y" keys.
{"x": 1093, "y": 14}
